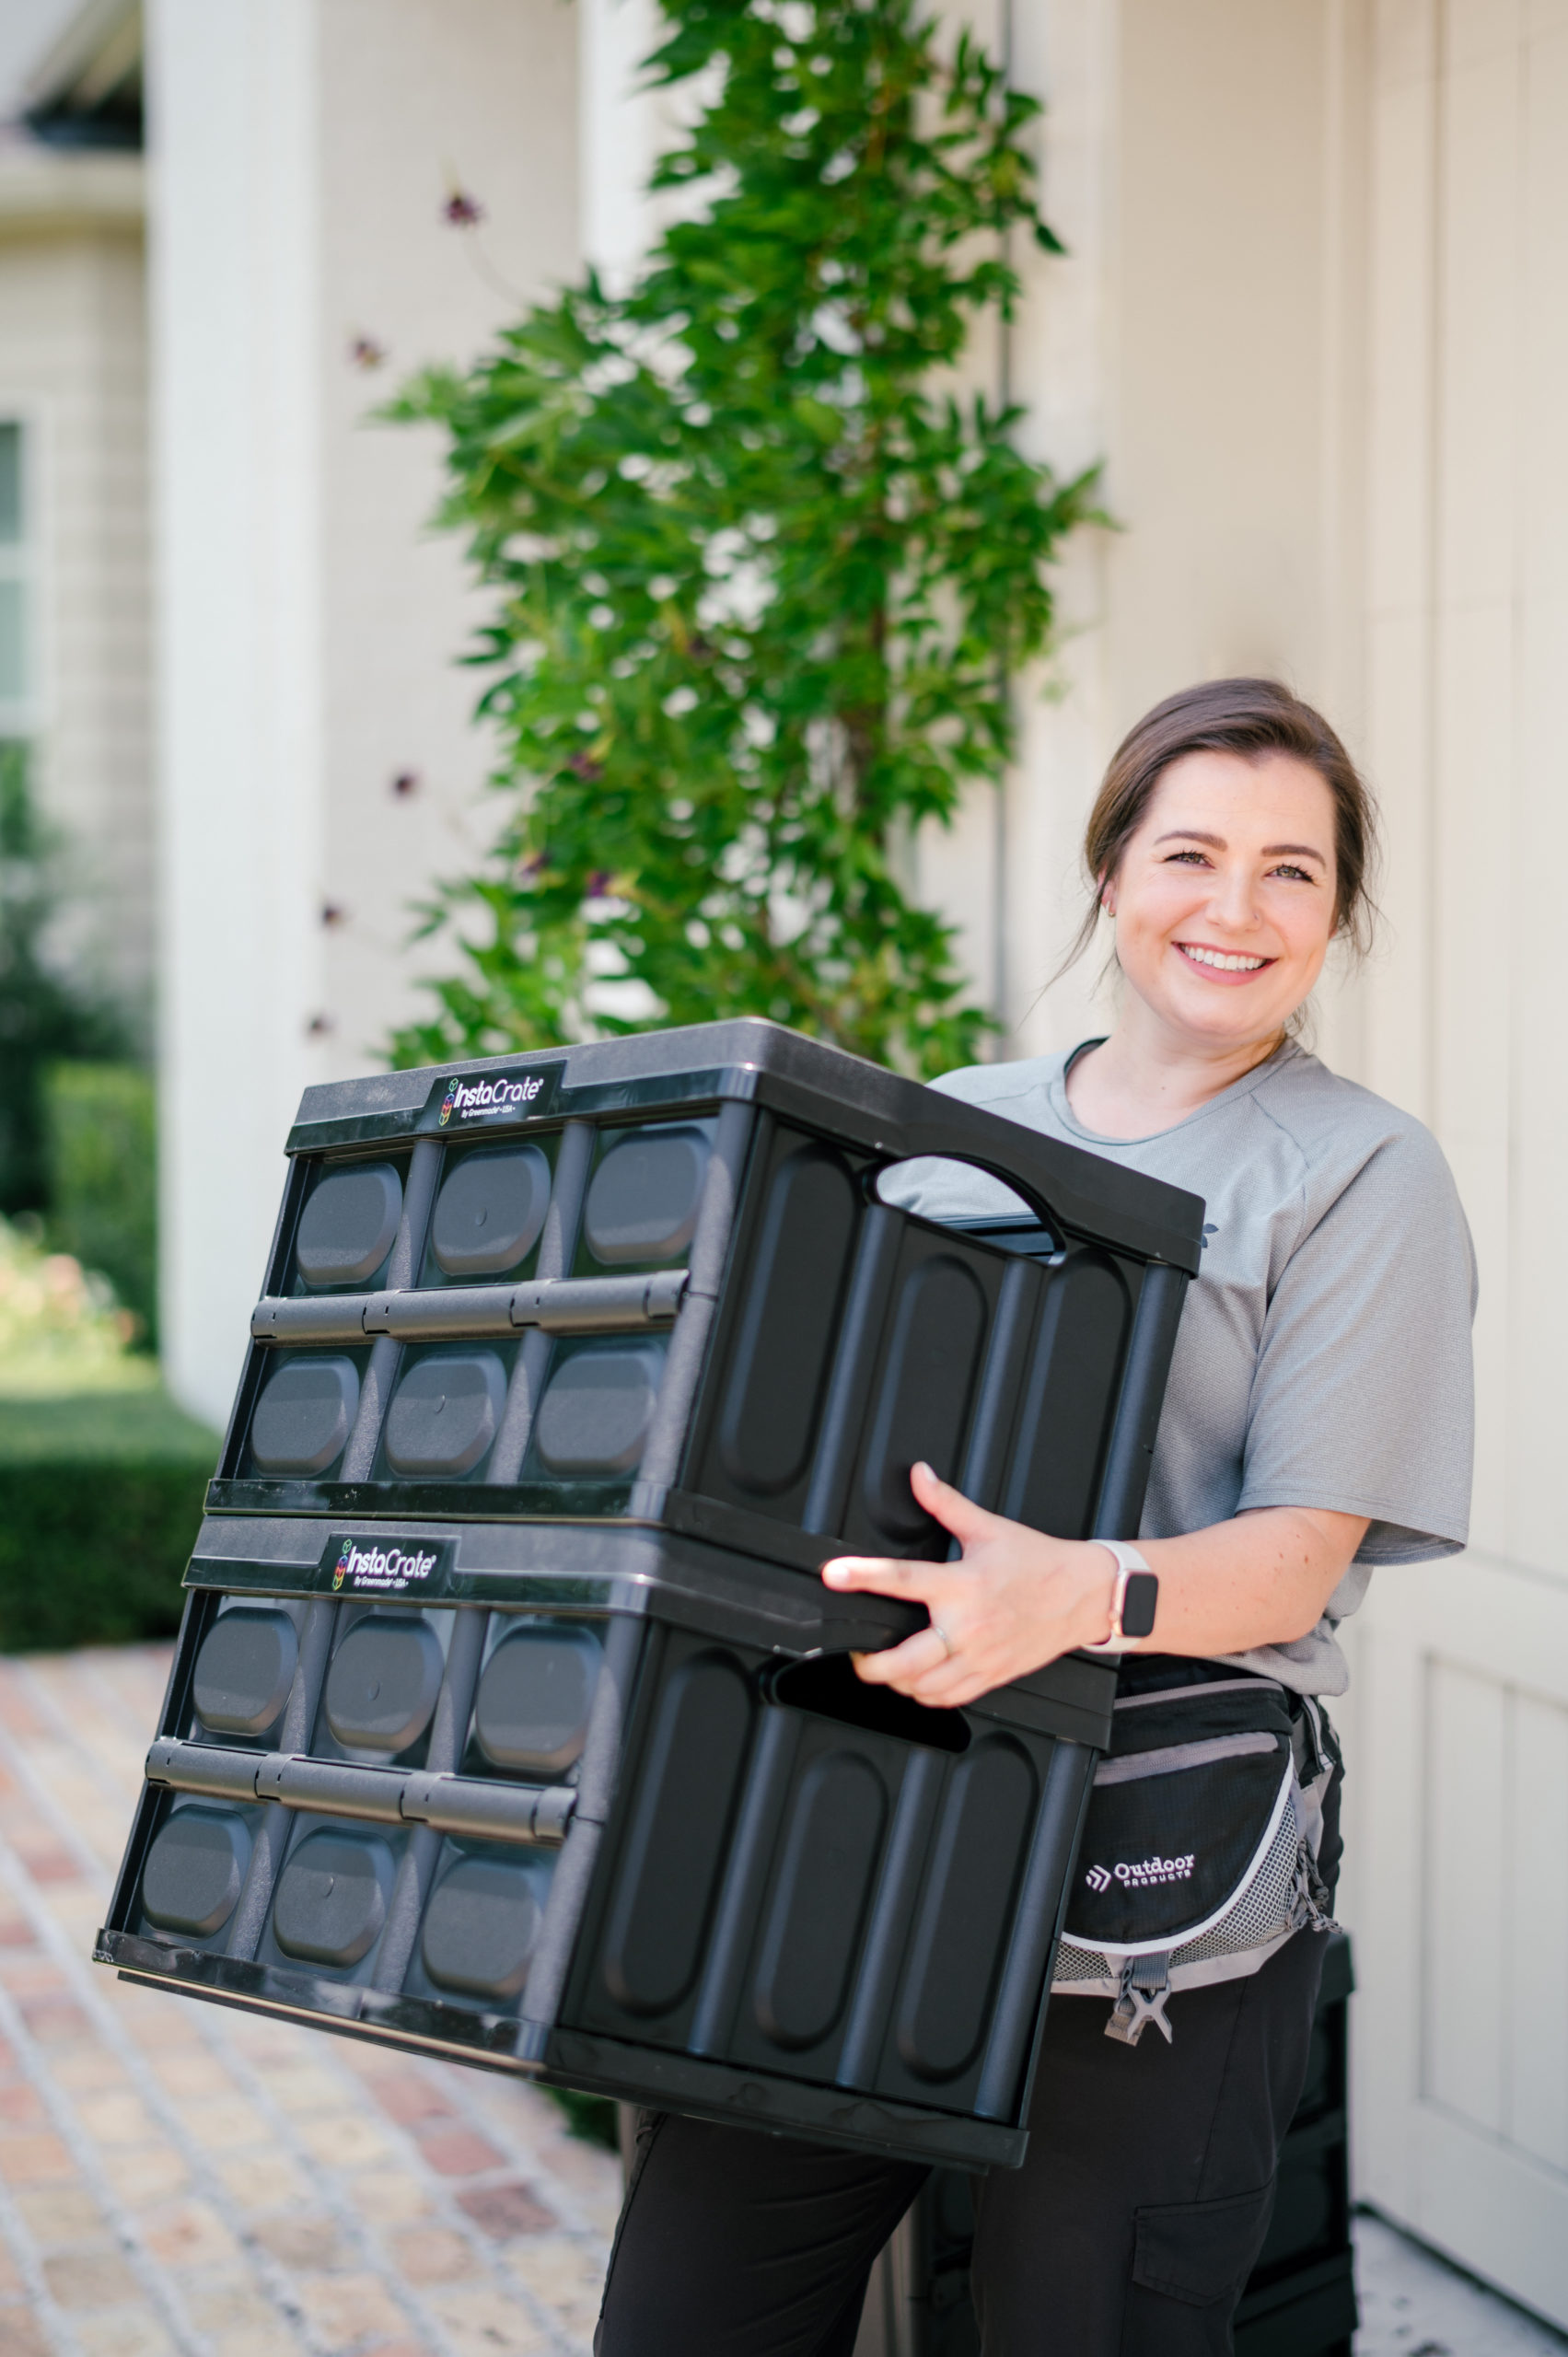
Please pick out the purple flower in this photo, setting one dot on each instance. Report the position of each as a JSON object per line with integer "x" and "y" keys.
{"x": 462, "y": 210}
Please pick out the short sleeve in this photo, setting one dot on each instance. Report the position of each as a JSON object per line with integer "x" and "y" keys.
{"x": 1363, "y": 1396}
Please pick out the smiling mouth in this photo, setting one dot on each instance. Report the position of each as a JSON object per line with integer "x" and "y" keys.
{"x": 1222, "y": 962}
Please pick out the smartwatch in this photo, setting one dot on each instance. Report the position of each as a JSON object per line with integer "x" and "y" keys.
{"x": 1135, "y": 1599}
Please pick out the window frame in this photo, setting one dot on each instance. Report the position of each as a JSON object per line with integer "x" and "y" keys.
{"x": 21, "y": 562}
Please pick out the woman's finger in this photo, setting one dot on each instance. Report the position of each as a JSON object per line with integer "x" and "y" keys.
{"x": 941, "y": 1683}
{"x": 883, "y": 1574}
{"x": 900, "y": 1665}
{"x": 955, "y": 1512}
{"x": 948, "y": 1686}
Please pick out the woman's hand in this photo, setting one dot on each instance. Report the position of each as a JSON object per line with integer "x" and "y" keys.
{"x": 1015, "y": 1601}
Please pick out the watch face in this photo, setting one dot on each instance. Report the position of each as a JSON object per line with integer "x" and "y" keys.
{"x": 1138, "y": 1604}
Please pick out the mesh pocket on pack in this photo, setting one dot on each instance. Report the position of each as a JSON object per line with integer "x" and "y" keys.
{"x": 1263, "y": 1908}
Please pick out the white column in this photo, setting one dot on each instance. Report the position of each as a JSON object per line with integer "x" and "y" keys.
{"x": 625, "y": 126}
{"x": 237, "y": 507}
{"x": 1059, "y": 368}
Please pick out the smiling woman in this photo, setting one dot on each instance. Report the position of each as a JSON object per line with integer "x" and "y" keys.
{"x": 1232, "y": 835}
{"x": 1230, "y": 844}
{"x": 1249, "y": 720}
{"x": 1317, "y": 1423}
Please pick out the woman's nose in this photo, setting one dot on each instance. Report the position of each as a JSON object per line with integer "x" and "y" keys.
{"x": 1233, "y": 902}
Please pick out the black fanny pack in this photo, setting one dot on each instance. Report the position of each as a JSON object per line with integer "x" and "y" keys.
{"x": 1204, "y": 1846}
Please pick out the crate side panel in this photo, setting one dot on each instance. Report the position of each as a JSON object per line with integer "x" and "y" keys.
{"x": 1069, "y": 1402}
{"x": 966, "y": 1912}
{"x": 811, "y": 1924}
{"x": 680, "y": 1778}
{"x": 759, "y": 1412}
{"x": 922, "y": 1396}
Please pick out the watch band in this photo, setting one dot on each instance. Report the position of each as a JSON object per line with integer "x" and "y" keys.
{"x": 1135, "y": 1599}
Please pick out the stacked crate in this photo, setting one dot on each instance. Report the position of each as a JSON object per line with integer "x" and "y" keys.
{"x": 510, "y": 1719}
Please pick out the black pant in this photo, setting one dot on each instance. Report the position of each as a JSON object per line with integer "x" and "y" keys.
{"x": 1129, "y": 2232}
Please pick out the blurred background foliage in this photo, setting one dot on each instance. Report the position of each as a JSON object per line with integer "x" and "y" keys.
{"x": 44, "y": 1014}
{"x": 100, "y": 1137}
{"x": 762, "y": 573}
{"x": 101, "y": 1478}
{"x": 60, "y": 1328}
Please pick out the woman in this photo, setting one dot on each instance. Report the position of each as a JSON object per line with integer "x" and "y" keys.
{"x": 1318, "y": 1422}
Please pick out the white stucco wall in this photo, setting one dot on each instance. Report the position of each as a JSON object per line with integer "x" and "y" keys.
{"x": 301, "y": 153}
{"x": 1199, "y": 338}
{"x": 479, "y": 94}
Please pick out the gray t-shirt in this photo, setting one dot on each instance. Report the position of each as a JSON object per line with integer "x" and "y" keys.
{"x": 1323, "y": 1357}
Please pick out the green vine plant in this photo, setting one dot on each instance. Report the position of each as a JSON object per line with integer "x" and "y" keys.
{"x": 762, "y": 575}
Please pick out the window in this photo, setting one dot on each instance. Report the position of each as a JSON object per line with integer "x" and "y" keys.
{"x": 16, "y": 615}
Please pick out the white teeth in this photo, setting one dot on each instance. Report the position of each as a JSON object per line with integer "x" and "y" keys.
{"x": 1225, "y": 965}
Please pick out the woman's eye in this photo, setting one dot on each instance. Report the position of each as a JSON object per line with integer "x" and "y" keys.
{"x": 1186, "y": 858}
{"x": 1288, "y": 868}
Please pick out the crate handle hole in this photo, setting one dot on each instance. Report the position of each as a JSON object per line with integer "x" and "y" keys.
{"x": 826, "y": 1685}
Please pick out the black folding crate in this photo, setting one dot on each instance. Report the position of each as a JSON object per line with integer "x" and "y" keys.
{"x": 1300, "y": 2298}
{"x": 510, "y": 1720}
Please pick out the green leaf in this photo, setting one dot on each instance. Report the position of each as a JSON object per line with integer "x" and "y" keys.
{"x": 758, "y": 584}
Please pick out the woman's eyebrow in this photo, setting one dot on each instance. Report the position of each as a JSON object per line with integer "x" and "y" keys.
{"x": 1270, "y": 851}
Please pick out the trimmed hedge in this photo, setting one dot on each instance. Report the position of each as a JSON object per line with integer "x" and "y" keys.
{"x": 101, "y": 1501}
{"x": 92, "y": 1554}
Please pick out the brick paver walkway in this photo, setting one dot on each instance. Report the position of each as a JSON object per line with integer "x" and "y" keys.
{"x": 176, "y": 2176}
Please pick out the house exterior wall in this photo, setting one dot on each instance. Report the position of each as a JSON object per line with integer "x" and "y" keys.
{"x": 484, "y": 91}
{"x": 1312, "y": 315}
{"x": 1202, "y": 338}
{"x": 1460, "y": 1889}
{"x": 302, "y": 154}
{"x": 1322, "y": 344}
{"x": 72, "y": 369}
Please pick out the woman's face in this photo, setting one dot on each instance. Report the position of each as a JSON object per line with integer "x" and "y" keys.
{"x": 1224, "y": 899}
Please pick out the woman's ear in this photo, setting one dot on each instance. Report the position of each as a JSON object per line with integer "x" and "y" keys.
{"x": 1106, "y": 895}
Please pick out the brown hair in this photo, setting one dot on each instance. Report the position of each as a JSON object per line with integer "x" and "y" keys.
{"x": 1253, "y": 718}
